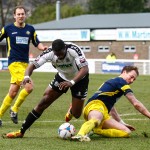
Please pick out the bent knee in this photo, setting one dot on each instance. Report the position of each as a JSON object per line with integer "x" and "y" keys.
{"x": 29, "y": 89}
{"x": 13, "y": 94}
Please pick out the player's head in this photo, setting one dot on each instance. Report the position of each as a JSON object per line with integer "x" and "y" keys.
{"x": 129, "y": 73}
{"x": 58, "y": 47}
{"x": 130, "y": 68}
{"x": 19, "y": 7}
{"x": 19, "y": 14}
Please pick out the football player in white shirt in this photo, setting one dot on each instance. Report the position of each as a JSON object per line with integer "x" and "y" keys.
{"x": 73, "y": 73}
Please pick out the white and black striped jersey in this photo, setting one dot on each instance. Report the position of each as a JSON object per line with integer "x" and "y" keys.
{"x": 67, "y": 67}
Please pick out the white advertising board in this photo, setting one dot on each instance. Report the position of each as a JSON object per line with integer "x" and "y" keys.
{"x": 66, "y": 35}
{"x": 133, "y": 34}
{"x": 103, "y": 34}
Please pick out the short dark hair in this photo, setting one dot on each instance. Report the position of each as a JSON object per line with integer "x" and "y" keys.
{"x": 20, "y": 7}
{"x": 58, "y": 45}
{"x": 130, "y": 68}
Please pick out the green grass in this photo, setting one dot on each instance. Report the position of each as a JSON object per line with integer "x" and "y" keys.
{"x": 43, "y": 133}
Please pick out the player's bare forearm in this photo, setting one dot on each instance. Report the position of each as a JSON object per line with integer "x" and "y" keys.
{"x": 42, "y": 47}
{"x": 83, "y": 72}
{"x": 29, "y": 70}
{"x": 115, "y": 114}
{"x": 138, "y": 105}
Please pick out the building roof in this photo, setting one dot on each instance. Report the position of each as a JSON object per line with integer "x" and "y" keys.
{"x": 98, "y": 21}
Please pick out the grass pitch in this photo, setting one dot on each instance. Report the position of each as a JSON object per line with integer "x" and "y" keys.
{"x": 43, "y": 133}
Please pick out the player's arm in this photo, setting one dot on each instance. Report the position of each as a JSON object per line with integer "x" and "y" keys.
{"x": 30, "y": 69}
{"x": 116, "y": 116}
{"x": 42, "y": 47}
{"x": 137, "y": 104}
{"x": 36, "y": 42}
{"x": 2, "y": 34}
{"x": 82, "y": 72}
{"x": 28, "y": 73}
{"x": 39, "y": 61}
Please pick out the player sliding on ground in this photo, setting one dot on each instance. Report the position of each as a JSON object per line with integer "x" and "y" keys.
{"x": 98, "y": 107}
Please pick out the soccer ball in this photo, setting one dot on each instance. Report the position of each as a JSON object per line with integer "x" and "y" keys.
{"x": 66, "y": 130}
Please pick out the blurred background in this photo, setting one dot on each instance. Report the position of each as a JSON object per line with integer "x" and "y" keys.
{"x": 99, "y": 27}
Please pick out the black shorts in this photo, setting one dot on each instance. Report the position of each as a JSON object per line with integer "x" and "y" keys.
{"x": 79, "y": 90}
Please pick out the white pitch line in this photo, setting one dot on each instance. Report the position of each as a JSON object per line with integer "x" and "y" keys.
{"x": 55, "y": 121}
{"x": 130, "y": 114}
{"x": 77, "y": 120}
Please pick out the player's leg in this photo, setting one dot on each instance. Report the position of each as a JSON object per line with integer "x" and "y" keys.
{"x": 13, "y": 90}
{"x": 49, "y": 97}
{"x": 94, "y": 119}
{"x": 93, "y": 113}
{"x": 51, "y": 93}
{"x": 112, "y": 128}
{"x": 79, "y": 93}
{"x": 22, "y": 96}
{"x": 18, "y": 72}
{"x": 75, "y": 109}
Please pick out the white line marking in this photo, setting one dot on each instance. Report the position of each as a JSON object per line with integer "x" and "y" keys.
{"x": 55, "y": 121}
{"x": 77, "y": 120}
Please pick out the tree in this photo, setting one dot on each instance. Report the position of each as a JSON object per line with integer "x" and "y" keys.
{"x": 38, "y": 11}
{"x": 116, "y": 6}
{"x": 47, "y": 12}
{"x": 6, "y": 10}
{"x": 2, "y": 14}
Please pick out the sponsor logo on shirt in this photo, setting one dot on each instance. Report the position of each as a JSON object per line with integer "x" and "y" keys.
{"x": 64, "y": 65}
{"x": 21, "y": 40}
{"x": 28, "y": 32}
{"x": 14, "y": 33}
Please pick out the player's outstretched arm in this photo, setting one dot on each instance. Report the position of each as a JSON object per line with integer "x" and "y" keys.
{"x": 117, "y": 117}
{"x": 138, "y": 105}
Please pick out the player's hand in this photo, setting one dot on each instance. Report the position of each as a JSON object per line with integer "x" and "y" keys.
{"x": 45, "y": 48}
{"x": 26, "y": 80}
{"x": 127, "y": 125}
{"x": 130, "y": 127}
{"x": 64, "y": 85}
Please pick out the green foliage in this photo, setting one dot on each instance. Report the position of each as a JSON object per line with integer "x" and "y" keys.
{"x": 117, "y": 6}
{"x": 44, "y": 13}
{"x": 43, "y": 133}
{"x": 70, "y": 11}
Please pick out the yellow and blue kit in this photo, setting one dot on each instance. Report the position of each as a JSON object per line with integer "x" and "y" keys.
{"x": 18, "y": 41}
{"x": 110, "y": 91}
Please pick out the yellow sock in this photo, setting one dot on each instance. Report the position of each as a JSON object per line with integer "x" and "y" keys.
{"x": 111, "y": 132}
{"x": 21, "y": 97}
{"x": 88, "y": 126}
{"x": 5, "y": 105}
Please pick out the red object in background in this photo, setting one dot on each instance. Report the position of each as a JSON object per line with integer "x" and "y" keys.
{"x": 136, "y": 56}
